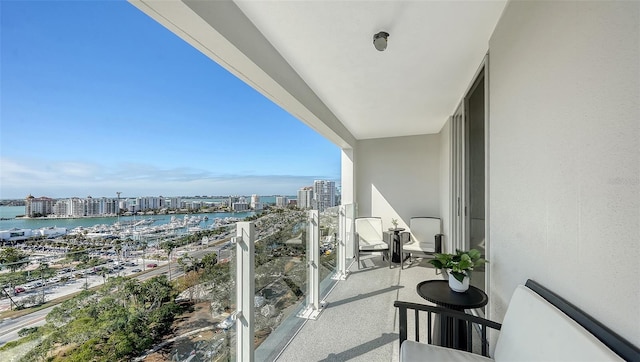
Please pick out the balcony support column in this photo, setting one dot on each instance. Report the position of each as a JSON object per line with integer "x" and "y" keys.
{"x": 245, "y": 291}
{"x": 313, "y": 308}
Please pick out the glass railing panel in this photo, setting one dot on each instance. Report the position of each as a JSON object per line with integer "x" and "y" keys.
{"x": 280, "y": 279}
{"x": 351, "y": 211}
{"x": 329, "y": 234}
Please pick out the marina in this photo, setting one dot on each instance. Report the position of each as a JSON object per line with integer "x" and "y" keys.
{"x": 124, "y": 227}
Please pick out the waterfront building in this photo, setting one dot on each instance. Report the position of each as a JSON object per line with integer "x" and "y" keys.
{"x": 305, "y": 197}
{"x": 149, "y": 203}
{"x": 324, "y": 194}
{"x": 38, "y": 206}
{"x": 108, "y": 206}
{"x": 15, "y": 235}
{"x": 281, "y": 201}
{"x": 255, "y": 202}
{"x": 239, "y": 206}
{"x": 77, "y": 207}
{"x": 232, "y": 200}
{"x": 175, "y": 202}
{"x": 92, "y": 206}
{"x": 60, "y": 208}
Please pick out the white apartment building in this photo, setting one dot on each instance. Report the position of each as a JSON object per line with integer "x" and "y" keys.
{"x": 240, "y": 206}
{"x": 281, "y": 201}
{"x": 255, "y": 202}
{"x": 149, "y": 203}
{"x": 174, "y": 202}
{"x": 324, "y": 194}
{"x": 60, "y": 208}
{"x": 305, "y": 197}
{"x": 38, "y": 206}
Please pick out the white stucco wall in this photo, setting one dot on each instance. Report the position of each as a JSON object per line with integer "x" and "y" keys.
{"x": 398, "y": 178}
{"x": 564, "y": 156}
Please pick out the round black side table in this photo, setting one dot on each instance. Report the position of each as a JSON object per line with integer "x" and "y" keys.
{"x": 395, "y": 248}
{"x": 438, "y": 292}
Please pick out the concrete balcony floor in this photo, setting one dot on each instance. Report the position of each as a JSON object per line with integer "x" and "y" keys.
{"x": 360, "y": 323}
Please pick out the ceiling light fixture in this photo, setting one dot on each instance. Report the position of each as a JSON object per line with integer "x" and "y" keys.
{"x": 380, "y": 40}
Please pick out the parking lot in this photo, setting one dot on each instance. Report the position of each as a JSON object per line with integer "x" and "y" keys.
{"x": 68, "y": 281}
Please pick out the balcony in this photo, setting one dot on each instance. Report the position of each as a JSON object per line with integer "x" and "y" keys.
{"x": 559, "y": 147}
{"x": 359, "y": 321}
{"x": 342, "y": 312}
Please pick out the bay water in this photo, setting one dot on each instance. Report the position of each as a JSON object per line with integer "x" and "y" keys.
{"x": 10, "y": 212}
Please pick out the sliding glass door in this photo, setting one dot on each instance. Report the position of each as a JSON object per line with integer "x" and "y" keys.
{"x": 468, "y": 175}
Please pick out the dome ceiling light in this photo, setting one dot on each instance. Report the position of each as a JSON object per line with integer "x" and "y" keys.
{"x": 380, "y": 40}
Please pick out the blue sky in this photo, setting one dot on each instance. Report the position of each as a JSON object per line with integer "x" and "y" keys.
{"x": 96, "y": 97}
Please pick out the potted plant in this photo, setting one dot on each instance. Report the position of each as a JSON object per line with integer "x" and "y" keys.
{"x": 394, "y": 222}
{"x": 459, "y": 265}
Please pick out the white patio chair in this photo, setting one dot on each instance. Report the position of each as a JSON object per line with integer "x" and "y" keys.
{"x": 370, "y": 238}
{"x": 424, "y": 237}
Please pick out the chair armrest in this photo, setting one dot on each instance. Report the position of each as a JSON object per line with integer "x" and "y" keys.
{"x": 456, "y": 315}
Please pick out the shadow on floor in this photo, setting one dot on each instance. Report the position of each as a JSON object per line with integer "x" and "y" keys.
{"x": 361, "y": 349}
{"x": 362, "y": 296}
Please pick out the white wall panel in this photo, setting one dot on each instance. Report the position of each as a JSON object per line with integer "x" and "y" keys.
{"x": 565, "y": 156}
{"x": 398, "y": 178}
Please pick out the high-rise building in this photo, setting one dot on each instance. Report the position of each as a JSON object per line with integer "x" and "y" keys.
{"x": 76, "y": 207}
{"x": 175, "y": 202}
{"x": 255, "y": 202}
{"x": 305, "y": 197}
{"x": 240, "y": 206}
{"x": 281, "y": 201}
{"x": 324, "y": 194}
{"x": 38, "y": 206}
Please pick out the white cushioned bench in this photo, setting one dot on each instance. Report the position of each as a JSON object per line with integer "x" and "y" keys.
{"x": 538, "y": 326}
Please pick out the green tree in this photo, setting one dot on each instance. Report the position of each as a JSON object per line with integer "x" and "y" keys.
{"x": 13, "y": 258}
{"x": 208, "y": 262}
{"x": 144, "y": 245}
{"x": 169, "y": 246}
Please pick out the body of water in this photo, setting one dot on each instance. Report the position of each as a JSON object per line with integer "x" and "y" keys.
{"x": 12, "y": 211}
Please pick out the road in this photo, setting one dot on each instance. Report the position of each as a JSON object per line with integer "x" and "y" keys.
{"x": 9, "y": 327}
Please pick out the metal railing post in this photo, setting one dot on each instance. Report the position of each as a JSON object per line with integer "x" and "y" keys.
{"x": 245, "y": 291}
{"x": 341, "y": 258}
{"x": 313, "y": 308}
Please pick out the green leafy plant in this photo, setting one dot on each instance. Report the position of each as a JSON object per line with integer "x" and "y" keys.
{"x": 460, "y": 264}
{"x": 394, "y": 222}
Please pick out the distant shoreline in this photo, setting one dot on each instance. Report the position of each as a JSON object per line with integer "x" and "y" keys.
{"x": 24, "y": 217}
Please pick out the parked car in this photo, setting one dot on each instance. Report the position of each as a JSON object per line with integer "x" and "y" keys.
{"x": 152, "y": 265}
{"x": 18, "y": 290}
{"x": 136, "y": 270}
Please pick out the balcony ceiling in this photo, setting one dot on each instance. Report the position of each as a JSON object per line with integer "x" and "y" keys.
{"x": 316, "y": 58}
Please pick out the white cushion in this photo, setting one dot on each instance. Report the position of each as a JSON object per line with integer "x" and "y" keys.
{"x": 415, "y": 351}
{"x": 369, "y": 232}
{"x": 535, "y": 330}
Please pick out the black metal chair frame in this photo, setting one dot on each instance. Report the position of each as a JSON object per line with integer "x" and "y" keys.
{"x": 615, "y": 342}
{"x": 456, "y": 316}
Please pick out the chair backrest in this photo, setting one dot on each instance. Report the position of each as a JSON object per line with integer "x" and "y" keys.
{"x": 423, "y": 231}
{"x": 535, "y": 330}
{"x": 369, "y": 229}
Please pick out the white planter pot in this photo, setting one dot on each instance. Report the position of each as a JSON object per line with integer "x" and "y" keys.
{"x": 456, "y": 286}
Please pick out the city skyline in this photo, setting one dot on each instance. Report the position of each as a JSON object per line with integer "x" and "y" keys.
{"x": 89, "y": 108}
